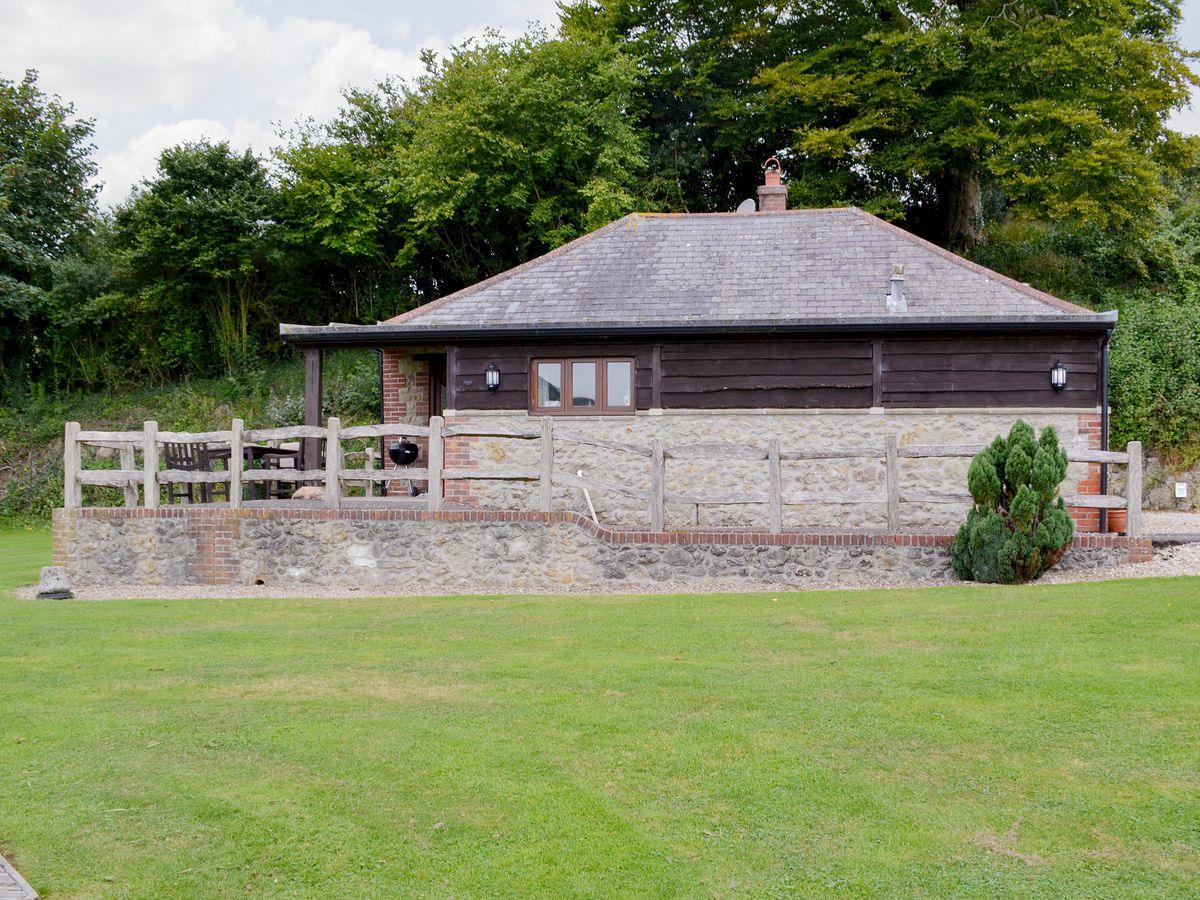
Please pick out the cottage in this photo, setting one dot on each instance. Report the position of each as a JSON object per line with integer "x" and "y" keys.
{"x": 809, "y": 328}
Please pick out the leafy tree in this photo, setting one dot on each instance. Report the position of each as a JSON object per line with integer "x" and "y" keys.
{"x": 201, "y": 242}
{"x": 1062, "y": 107}
{"x": 1016, "y": 530}
{"x": 515, "y": 147}
{"x": 340, "y": 213}
{"x": 917, "y": 110}
{"x": 46, "y": 203}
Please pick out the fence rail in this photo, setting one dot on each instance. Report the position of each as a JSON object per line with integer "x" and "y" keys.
{"x": 336, "y": 474}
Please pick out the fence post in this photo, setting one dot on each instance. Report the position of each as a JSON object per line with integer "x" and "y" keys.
{"x": 128, "y": 461}
{"x": 546, "y": 473}
{"x": 333, "y": 463}
{"x": 235, "y": 466}
{"x": 1133, "y": 490}
{"x": 150, "y": 465}
{"x": 369, "y": 465}
{"x": 436, "y": 455}
{"x": 657, "y": 477}
{"x": 775, "y": 491}
{"x": 71, "y": 465}
{"x": 892, "y": 474}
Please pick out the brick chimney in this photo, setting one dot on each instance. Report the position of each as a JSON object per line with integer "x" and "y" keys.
{"x": 772, "y": 193}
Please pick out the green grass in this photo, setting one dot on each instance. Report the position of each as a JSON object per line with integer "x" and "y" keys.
{"x": 1023, "y": 741}
{"x": 23, "y": 551}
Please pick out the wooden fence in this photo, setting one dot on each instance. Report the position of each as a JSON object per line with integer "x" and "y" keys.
{"x": 335, "y": 474}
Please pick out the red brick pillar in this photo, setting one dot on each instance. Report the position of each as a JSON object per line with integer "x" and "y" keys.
{"x": 1088, "y": 519}
{"x": 405, "y": 399}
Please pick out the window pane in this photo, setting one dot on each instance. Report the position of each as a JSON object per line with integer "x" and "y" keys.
{"x": 620, "y": 383}
{"x": 583, "y": 384}
{"x": 549, "y": 384}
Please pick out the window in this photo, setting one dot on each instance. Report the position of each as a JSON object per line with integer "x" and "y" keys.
{"x": 582, "y": 386}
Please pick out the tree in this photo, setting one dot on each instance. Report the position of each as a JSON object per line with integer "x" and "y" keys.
{"x": 46, "y": 204}
{"x": 920, "y": 110}
{"x": 1018, "y": 527}
{"x": 340, "y": 213}
{"x": 202, "y": 241}
{"x": 515, "y": 148}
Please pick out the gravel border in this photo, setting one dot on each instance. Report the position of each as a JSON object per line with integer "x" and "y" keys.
{"x": 1167, "y": 562}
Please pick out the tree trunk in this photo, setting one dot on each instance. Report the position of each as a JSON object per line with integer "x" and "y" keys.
{"x": 964, "y": 208}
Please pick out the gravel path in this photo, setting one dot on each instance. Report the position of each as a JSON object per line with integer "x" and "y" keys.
{"x": 1171, "y": 561}
{"x": 1170, "y": 522}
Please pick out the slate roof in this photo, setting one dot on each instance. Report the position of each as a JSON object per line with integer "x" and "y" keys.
{"x": 735, "y": 269}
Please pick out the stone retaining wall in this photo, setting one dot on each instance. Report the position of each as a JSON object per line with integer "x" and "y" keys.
{"x": 485, "y": 551}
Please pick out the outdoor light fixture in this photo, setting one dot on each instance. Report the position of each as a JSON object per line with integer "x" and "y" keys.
{"x": 1058, "y": 376}
{"x": 491, "y": 377}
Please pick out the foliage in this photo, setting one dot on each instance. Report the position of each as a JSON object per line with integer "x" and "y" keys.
{"x": 1154, "y": 376}
{"x": 1016, "y": 530}
{"x": 913, "y": 111}
{"x": 201, "y": 240}
{"x": 45, "y": 203}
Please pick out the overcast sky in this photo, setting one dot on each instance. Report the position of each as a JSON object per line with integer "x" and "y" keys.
{"x": 156, "y": 72}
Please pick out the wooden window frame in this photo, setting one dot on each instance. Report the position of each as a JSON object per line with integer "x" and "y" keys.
{"x": 567, "y": 408}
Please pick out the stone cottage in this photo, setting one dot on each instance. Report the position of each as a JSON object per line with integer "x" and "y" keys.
{"x": 810, "y": 328}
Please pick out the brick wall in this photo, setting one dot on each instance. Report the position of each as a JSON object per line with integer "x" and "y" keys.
{"x": 1088, "y": 520}
{"x": 405, "y": 399}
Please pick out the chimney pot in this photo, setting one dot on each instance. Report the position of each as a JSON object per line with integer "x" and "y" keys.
{"x": 772, "y": 193}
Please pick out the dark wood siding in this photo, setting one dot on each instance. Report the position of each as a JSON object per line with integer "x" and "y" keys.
{"x": 513, "y": 362}
{"x": 764, "y": 374}
{"x": 989, "y": 371}
{"x": 810, "y": 373}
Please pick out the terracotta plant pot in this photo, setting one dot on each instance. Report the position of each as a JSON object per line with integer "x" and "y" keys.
{"x": 1117, "y": 519}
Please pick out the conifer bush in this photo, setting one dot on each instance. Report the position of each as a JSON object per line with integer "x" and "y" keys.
{"x": 1018, "y": 527}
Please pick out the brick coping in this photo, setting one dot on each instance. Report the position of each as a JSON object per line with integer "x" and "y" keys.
{"x": 739, "y": 537}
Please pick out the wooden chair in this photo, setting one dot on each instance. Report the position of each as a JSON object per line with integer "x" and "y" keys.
{"x": 190, "y": 458}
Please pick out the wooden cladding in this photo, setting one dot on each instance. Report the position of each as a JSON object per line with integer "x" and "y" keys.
{"x": 989, "y": 371}
{"x": 763, "y": 374}
{"x": 808, "y": 373}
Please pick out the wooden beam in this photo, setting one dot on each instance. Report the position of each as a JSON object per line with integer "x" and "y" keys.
{"x": 150, "y": 465}
{"x": 71, "y": 466}
{"x": 1133, "y": 490}
{"x": 656, "y": 377}
{"x": 333, "y": 463}
{"x": 235, "y": 464}
{"x": 877, "y": 373}
{"x": 313, "y": 392}
{"x": 128, "y": 464}
{"x": 436, "y": 455}
{"x": 891, "y": 462}
{"x": 451, "y": 378}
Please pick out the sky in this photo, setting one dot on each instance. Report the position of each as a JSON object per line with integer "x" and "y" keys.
{"x": 152, "y": 73}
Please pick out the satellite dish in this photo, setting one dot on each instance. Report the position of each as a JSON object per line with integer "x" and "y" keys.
{"x": 747, "y": 205}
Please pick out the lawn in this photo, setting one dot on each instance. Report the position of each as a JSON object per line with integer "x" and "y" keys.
{"x": 1036, "y": 741}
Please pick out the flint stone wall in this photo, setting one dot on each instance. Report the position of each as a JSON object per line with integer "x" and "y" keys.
{"x": 485, "y": 552}
{"x": 794, "y": 430}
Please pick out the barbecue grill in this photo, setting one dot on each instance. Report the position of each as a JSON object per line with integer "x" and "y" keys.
{"x": 403, "y": 454}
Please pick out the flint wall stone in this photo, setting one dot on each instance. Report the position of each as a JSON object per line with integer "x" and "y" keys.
{"x": 483, "y": 552}
{"x": 793, "y": 430}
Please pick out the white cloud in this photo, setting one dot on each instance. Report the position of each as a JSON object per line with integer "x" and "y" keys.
{"x": 154, "y": 73}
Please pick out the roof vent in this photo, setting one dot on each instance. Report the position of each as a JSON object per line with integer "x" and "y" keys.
{"x": 896, "y": 303}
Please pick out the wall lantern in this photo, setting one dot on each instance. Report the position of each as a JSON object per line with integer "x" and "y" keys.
{"x": 491, "y": 377}
{"x": 1058, "y": 376}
